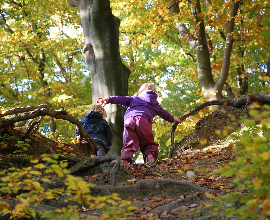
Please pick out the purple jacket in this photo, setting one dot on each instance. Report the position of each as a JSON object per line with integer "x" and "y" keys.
{"x": 144, "y": 104}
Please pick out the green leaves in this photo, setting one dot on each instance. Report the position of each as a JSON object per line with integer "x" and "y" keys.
{"x": 251, "y": 167}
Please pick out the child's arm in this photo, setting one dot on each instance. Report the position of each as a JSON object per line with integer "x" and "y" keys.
{"x": 119, "y": 100}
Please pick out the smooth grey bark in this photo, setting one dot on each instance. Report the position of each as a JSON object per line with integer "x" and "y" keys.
{"x": 268, "y": 68}
{"x": 108, "y": 74}
{"x": 200, "y": 45}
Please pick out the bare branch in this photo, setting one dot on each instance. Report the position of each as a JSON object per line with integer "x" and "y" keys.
{"x": 23, "y": 109}
{"x": 37, "y": 111}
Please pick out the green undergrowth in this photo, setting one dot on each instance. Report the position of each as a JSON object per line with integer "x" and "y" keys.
{"x": 250, "y": 197}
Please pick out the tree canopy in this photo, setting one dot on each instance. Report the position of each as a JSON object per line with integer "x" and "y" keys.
{"x": 185, "y": 48}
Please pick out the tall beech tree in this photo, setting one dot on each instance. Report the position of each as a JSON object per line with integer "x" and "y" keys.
{"x": 109, "y": 76}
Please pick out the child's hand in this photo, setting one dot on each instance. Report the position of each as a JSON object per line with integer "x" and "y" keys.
{"x": 177, "y": 119}
{"x": 102, "y": 101}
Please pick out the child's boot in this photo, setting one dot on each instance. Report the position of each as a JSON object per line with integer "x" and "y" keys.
{"x": 150, "y": 158}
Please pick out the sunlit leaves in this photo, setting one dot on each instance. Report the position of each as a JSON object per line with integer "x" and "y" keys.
{"x": 53, "y": 32}
{"x": 30, "y": 181}
{"x": 252, "y": 165}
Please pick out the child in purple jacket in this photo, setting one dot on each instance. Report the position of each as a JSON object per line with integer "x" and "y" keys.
{"x": 141, "y": 109}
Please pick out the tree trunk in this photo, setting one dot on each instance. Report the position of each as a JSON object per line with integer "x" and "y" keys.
{"x": 198, "y": 42}
{"x": 109, "y": 75}
{"x": 242, "y": 81}
{"x": 204, "y": 66}
{"x": 268, "y": 68}
{"x": 227, "y": 51}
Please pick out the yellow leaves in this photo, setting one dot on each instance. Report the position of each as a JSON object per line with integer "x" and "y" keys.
{"x": 252, "y": 204}
{"x": 6, "y": 178}
{"x": 266, "y": 205}
{"x": 48, "y": 195}
{"x": 35, "y": 172}
{"x": 101, "y": 205}
{"x": 40, "y": 166}
{"x": 61, "y": 99}
{"x": 36, "y": 184}
{"x": 203, "y": 142}
{"x": 266, "y": 155}
{"x": 115, "y": 196}
{"x": 179, "y": 171}
{"x": 257, "y": 182}
{"x": 4, "y": 206}
{"x": 131, "y": 208}
{"x": 209, "y": 195}
{"x": 45, "y": 180}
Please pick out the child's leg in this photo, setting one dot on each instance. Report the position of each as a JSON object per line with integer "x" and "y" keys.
{"x": 130, "y": 139}
{"x": 147, "y": 144}
{"x": 101, "y": 150}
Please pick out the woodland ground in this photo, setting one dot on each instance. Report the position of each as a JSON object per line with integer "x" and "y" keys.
{"x": 159, "y": 190}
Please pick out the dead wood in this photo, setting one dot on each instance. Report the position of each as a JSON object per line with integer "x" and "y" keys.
{"x": 42, "y": 110}
{"x": 262, "y": 98}
{"x": 32, "y": 125}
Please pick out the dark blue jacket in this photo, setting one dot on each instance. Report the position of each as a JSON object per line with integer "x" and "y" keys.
{"x": 97, "y": 128}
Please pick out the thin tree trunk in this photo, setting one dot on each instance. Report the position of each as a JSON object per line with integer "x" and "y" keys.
{"x": 199, "y": 43}
{"x": 227, "y": 51}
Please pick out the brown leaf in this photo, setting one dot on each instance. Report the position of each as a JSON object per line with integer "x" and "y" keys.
{"x": 229, "y": 149}
{"x": 187, "y": 167}
{"x": 4, "y": 146}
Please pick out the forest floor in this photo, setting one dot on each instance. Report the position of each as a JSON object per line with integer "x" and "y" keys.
{"x": 179, "y": 187}
{"x": 165, "y": 189}
{"x": 171, "y": 201}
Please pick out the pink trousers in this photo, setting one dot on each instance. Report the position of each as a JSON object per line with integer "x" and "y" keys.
{"x": 138, "y": 135}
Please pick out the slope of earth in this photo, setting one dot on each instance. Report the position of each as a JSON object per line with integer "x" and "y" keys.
{"x": 224, "y": 119}
{"x": 168, "y": 190}
{"x": 174, "y": 188}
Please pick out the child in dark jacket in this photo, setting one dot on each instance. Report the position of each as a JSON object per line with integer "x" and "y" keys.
{"x": 98, "y": 129}
{"x": 141, "y": 109}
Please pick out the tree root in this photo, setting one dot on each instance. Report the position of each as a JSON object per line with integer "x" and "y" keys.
{"x": 187, "y": 200}
{"x": 144, "y": 188}
{"x": 88, "y": 163}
